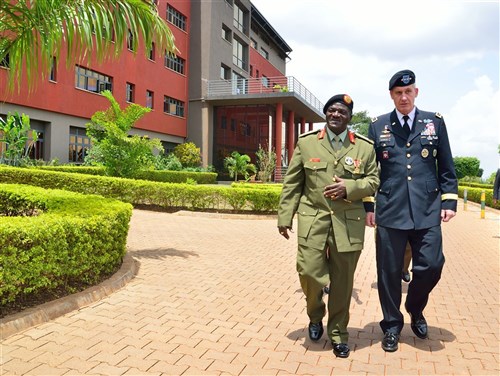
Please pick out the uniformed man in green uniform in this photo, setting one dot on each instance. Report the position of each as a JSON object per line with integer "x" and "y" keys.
{"x": 330, "y": 173}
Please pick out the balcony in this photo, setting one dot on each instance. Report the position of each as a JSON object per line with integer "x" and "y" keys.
{"x": 267, "y": 90}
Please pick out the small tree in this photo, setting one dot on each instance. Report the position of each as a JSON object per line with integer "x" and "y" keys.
{"x": 238, "y": 164}
{"x": 188, "y": 154}
{"x": 360, "y": 122}
{"x": 15, "y": 133}
{"x": 112, "y": 147}
{"x": 466, "y": 166}
{"x": 266, "y": 163}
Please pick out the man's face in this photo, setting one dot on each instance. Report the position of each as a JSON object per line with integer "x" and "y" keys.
{"x": 337, "y": 117}
{"x": 404, "y": 98}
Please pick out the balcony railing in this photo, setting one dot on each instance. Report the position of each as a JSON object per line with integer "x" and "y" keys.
{"x": 263, "y": 85}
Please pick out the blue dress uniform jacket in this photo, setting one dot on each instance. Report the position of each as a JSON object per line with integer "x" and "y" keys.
{"x": 312, "y": 168}
{"x": 417, "y": 177}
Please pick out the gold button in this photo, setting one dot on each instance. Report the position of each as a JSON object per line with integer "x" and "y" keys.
{"x": 331, "y": 212}
{"x": 408, "y": 166}
{"x": 359, "y": 218}
{"x": 408, "y": 155}
{"x": 408, "y": 145}
{"x": 314, "y": 167}
{"x": 409, "y": 177}
{"x": 384, "y": 144}
{"x": 335, "y": 163}
{"x": 430, "y": 142}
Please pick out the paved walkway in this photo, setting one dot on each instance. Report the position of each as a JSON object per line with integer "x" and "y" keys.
{"x": 218, "y": 295}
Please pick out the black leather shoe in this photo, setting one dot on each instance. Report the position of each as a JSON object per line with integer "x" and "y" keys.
{"x": 390, "y": 342}
{"x": 405, "y": 276}
{"x": 341, "y": 350}
{"x": 326, "y": 290}
{"x": 315, "y": 331}
{"x": 419, "y": 326}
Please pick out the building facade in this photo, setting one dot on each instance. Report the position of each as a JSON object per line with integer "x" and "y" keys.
{"x": 225, "y": 90}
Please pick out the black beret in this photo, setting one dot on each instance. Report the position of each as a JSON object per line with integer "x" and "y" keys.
{"x": 341, "y": 98}
{"x": 402, "y": 78}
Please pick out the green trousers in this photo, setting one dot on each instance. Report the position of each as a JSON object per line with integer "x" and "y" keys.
{"x": 316, "y": 270}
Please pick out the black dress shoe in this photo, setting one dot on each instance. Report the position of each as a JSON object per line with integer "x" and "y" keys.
{"x": 341, "y": 350}
{"x": 419, "y": 326}
{"x": 390, "y": 342}
{"x": 326, "y": 290}
{"x": 315, "y": 331}
{"x": 405, "y": 276}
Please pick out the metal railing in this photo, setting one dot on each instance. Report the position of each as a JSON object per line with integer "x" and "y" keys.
{"x": 263, "y": 85}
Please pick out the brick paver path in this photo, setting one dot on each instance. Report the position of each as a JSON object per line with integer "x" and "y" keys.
{"x": 218, "y": 295}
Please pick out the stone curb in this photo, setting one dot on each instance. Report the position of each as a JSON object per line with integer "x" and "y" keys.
{"x": 43, "y": 313}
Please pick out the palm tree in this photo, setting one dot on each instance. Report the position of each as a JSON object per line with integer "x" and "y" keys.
{"x": 32, "y": 32}
{"x": 239, "y": 164}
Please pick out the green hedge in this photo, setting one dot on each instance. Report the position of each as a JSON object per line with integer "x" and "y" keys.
{"x": 142, "y": 192}
{"x": 70, "y": 240}
{"x": 161, "y": 176}
{"x": 476, "y": 185}
{"x": 474, "y": 195}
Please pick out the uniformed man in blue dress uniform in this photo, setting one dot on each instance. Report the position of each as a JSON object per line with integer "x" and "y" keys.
{"x": 418, "y": 190}
{"x": 330, "y": 173}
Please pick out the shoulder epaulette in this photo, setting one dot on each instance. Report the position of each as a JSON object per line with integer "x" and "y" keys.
{"x": 364, "y": 138}
{"x": 309, "y": 133}
{"x": 438, "y": 115}
{"x": 374, "y": 119}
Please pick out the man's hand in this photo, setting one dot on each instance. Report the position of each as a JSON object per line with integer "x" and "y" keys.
{"x": 370, "y": 219}
{"x": 446, "y": 215}
{"x": 283, "y": 230}
{"x": 337, "y": 190}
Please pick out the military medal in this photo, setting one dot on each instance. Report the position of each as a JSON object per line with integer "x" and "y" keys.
{"x": 425, "y": 153}
{"x": 434, "y": 153}
{"x": 348, "y": 161}
{"x": 357, "y": 164}
{"x": 385, "y": 154}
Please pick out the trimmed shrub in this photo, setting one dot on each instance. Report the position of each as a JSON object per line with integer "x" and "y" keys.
{"x": 474, "y": 195}
{"x": 72, "y": 240}
{"x": 142, "y": 192}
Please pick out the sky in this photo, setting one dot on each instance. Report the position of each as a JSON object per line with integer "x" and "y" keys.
{"x": 355, "y": 47}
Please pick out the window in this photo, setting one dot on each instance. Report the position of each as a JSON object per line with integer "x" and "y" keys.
{"x": 223, "y": 122}
{"x": 233, "y": 125}
{"x": 36, "y": 152}
{"x": 173, "y": 106}
{"x": 149, "y": 99}
{"x": 238, "y": 21}
{"x": 130, "y": 92}
{"x": 79, "y": 144}
{"x": 257, "y": 73}
{"x": 225, "y": 72}
{"x": 5, "y": 62}
{"x": 175, "y": 63}
{"x": 240, "y": 53}
{"x": 265, "y": 81}
{"x": 176, "y": 18}
{"x": 264, "y": 53}
{"x": 226, "y": 33}
{"x": 251, "y": 70}
{"x": 253, "y": 43}
{"x": 230, "y": 2}
{"x": 239, "y": 84}
{"x": 90, "y": 80}
{"x": 130, "y": 41}
{"x": 151, "y": 52}
{"x": 53, "y": 69}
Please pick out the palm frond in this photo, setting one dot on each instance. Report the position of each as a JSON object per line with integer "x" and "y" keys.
{"x": 32, "y": 32}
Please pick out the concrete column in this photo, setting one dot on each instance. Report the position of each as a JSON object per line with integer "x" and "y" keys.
{"x": 302, "y": 125}
{"x": 278, "y": 141}
{"x": 290, "y": 127}
{"x": 311, "y": 126}
{"x": 205, "y": 131}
